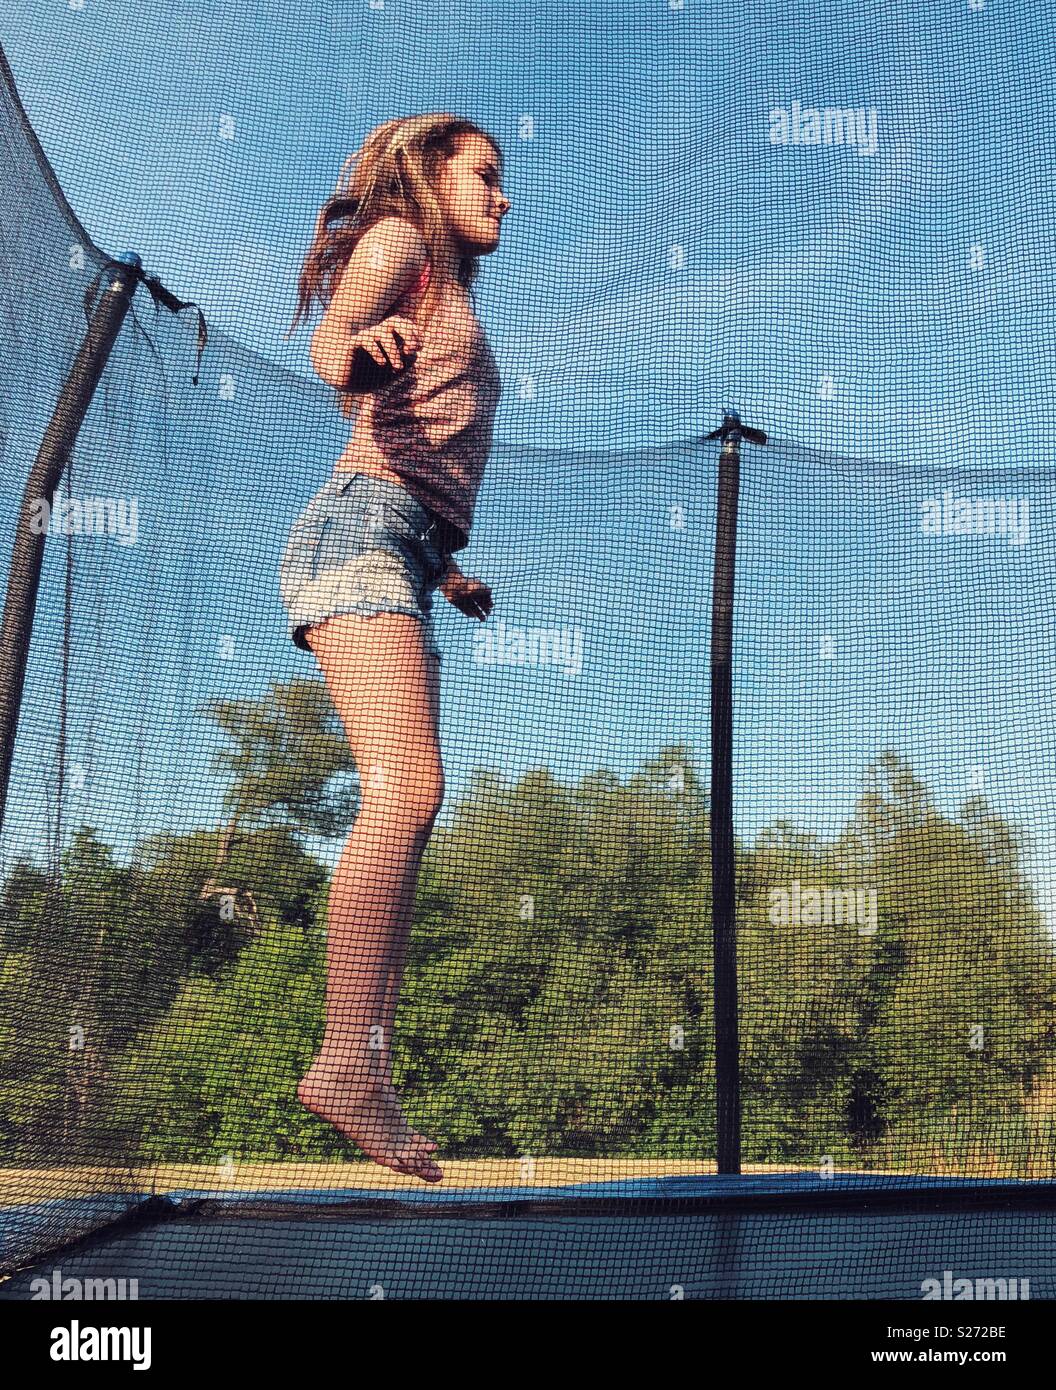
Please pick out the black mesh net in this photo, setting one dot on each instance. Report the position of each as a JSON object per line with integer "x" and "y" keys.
{"x": 749, "y": 227}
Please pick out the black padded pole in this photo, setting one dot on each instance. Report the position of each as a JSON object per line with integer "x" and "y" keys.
{"x": 27, "y": 551}
{"x": 723, "y": 868}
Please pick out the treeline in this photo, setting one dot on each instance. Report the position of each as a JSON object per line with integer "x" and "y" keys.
{"x": 897, "y": 992}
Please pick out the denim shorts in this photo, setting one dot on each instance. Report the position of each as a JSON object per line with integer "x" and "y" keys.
{"x": 363, "y": 544}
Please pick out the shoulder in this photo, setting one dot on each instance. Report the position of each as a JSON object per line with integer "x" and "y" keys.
{"x": 401, "y": 245}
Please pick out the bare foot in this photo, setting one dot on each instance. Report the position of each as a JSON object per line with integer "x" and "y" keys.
{"x": 429, "y": 1145}
{"x": 367, "y": 1111}
{"x": 385, "y": 1072}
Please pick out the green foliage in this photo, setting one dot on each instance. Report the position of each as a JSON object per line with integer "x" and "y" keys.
{"x": 99, "y": 961}
{"x": 284, "y": 756}
{"x": 214, "y": 1082}
{"x": 552, "y": 1001}
{"x": 558, "y": 994}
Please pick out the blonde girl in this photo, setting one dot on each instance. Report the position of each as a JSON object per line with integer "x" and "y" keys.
{"x": 395, "y": 252}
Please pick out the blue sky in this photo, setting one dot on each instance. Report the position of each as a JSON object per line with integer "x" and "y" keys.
{"x": 663, "y": 257}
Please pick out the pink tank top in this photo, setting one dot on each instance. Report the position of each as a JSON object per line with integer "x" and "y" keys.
{"x": 432, "y": 424}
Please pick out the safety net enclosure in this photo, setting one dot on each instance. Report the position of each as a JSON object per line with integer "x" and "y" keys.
{"x": 846, "y": 250}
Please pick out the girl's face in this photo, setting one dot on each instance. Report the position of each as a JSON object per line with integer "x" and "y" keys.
{"x": 470, "y": 192}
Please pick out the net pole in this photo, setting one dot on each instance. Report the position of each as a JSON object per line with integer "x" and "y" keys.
{"x": 723, "y": 868}
{"x": 27, "y": 551}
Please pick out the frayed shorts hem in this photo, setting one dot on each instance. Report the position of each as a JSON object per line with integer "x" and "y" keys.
{"x": 298, "y": 627}
{"x": 363, "y": 545}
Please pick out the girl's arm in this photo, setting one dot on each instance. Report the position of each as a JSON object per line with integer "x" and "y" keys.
{"x": 386, "y": 261}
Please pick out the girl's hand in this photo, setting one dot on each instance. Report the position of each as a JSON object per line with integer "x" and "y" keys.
{"x": 470, "y": 596}
{"x": 382, "y": 341}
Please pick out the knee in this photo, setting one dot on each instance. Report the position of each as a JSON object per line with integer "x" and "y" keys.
{"x": 407, "y": 795}
{"x": 426, "y": 798}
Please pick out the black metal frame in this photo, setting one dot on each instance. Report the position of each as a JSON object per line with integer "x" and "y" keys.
{"x": 723, "y": 866}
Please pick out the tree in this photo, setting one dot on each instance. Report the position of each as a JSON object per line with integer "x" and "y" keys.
{"x": 289, "y": 749}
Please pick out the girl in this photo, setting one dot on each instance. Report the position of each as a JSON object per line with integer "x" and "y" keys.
{"x": 394, "y": 254}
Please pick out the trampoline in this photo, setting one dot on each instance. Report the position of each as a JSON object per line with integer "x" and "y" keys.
{"x": 728, "y": 970}
{"x": 755, "y": 1236}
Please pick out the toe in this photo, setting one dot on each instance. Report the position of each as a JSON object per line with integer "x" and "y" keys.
{"x": 420, "y": 1165}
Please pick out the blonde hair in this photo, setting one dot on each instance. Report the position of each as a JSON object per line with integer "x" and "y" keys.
{"x": 394, "y": 171}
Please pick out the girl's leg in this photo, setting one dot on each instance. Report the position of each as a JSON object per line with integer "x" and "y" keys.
{"x": 414, "y": 863}
{"x": 383, "y": 686}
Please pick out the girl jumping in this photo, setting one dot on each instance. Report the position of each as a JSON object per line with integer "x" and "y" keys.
{"x": 395, "y": 251}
